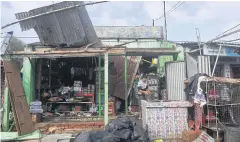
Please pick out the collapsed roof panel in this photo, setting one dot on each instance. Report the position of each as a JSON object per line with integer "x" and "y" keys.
{"x": 11, "y": 44}
{"x": 118, "y": 88}
{"x": 55, "y": 26}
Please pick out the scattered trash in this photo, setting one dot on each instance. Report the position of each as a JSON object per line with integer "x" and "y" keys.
{"x": 52, "y": 129}
{"x": 118, "y": 130}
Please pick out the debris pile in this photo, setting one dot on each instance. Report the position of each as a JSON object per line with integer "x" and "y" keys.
{"x": 119, "y": 130}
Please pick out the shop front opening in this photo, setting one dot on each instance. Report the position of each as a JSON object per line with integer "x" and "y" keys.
{"x": 147, "y": 67}
{"x": 67, "y": 87}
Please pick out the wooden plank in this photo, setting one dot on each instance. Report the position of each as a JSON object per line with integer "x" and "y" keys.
{"x": 219, "y": 80}
{"x": 18, "y": 100}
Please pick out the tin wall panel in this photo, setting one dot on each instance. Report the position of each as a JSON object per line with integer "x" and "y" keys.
{"x": 192, "y": 65}
{"x": 175, "y": 76}
{"x": 204, "y": 64}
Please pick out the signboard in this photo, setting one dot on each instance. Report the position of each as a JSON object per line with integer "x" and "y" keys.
{"x": 225, "y": 50}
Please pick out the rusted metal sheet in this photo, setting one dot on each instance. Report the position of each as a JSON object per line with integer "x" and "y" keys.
{"x": 118, "y": 61}
{"x": 22, "y": 117}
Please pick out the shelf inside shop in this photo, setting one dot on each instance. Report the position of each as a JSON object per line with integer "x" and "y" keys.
{"x": 70, "y": 102}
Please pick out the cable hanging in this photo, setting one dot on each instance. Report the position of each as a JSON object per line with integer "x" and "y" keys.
{"x": 226, "y": 33}
{"x": 171, "y": 10}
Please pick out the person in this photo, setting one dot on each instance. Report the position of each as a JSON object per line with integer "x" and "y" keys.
{"x": 142, "y": 92}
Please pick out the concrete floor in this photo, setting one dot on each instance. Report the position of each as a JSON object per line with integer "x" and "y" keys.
{"x": 54, "y": 138}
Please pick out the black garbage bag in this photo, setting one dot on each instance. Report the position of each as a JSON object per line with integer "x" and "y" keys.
{"x": 123, "y": 134}
{"x": 139, "y": 134}
{"x": 119, "y": 130}
{"x": 96, "y": 136}
{"x": 119, "y": 123}
{"x": 110, "y": 138}
{"x": 83, "y": 137}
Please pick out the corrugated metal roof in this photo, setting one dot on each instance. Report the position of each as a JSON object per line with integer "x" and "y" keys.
{"x": 72, "y": 26}
{"x": 11, "y": 43}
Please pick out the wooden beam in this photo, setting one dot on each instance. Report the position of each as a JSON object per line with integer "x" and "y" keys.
{"x": 219, "y": 80}
{"x": 90, "y": 52}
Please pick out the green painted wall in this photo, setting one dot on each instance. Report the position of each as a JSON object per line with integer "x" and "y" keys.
{"x": 28, "y": 72}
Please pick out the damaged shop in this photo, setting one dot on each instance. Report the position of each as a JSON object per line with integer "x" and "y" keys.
{"x": 72, "y": 81}
{"x": 63, "y": 85}
{"x": 213, "y": 87}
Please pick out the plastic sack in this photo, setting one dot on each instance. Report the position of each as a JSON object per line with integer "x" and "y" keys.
{"x": 36, "y": 103}
{"x": 35, "y": 107}
{"x": 36, "y": 110}
{"x": 119, "y": 123}
{"x": 96, "y": 136}
{"x": 139, "y": 134}
{"x": 83, "y": 137}
{"x": 110, "y": 138}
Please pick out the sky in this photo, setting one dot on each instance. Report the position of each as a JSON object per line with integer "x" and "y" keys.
{"x": 212, "y": 18}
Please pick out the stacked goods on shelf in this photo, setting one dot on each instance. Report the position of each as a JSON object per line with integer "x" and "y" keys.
{"x": 36, "y": 107}
{"x": 153, "y": 84}
{"x": 77, "y": 86}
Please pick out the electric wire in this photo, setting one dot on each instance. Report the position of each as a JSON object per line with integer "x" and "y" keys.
{"x": 225, "y": 34}
{"x": 171, "y": 10}
{"x": 228, "y": 30}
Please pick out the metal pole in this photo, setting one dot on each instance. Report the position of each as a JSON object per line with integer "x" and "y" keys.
{"x": 165, "y": 20}
{"x": 125, "y": 83}
{"x": 105, "y": 89}
{"x": 153, "y": 22}
{"x": 219, "y": 50}
{"x": 99, "y": 87}
{"x": 6, "y": 108}
{"x": 199, "y": 40}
